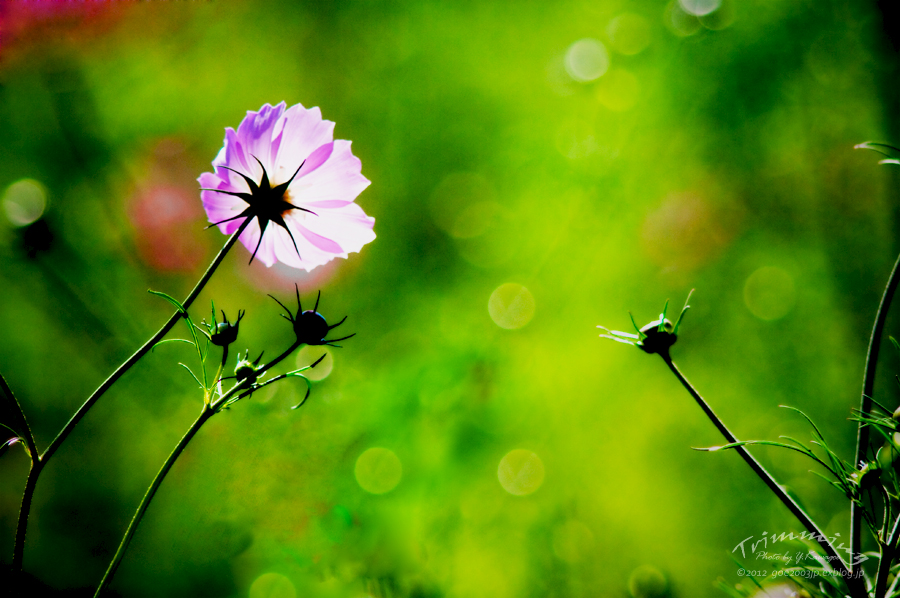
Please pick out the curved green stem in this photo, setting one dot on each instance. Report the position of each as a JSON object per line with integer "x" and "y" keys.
{"x": 865, "y": 404}
{"x": 280, "y": 358}
{"x": 890, "y": 591}
{"x": 22, "y": 525}
{"x": 857, "y": 590}
{"x": 217, "y": 380}
{"x": 64, "y": 433}
{"x": 223, "y": 401}
{"x": 24, "y": 432}
{"x": 888, "y": 551}
{"x": 209, "y": 409}
{"x": 151, "y": 491}
{"x": 30, "y": 485}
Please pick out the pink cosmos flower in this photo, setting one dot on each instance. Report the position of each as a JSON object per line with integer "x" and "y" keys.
{"x": 283, "y": 169}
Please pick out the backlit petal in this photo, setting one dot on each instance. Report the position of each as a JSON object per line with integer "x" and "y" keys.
{"x": 339, "y": 178}
{"x": 276, "y": 140}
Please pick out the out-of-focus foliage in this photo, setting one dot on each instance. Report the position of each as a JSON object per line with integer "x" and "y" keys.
{"x": 538, "y": 168}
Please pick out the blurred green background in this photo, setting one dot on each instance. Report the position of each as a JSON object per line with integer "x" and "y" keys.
{"x": 601, "y": 155}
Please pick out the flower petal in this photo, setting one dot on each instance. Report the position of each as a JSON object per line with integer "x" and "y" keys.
{"x": 320, "y": 242}
{"x": 235, "y": 157}
{"x": 338, "y": 178}
{"x": 220, "y": 206}
{"x": 317, "y": 158}
{"x": 309, "y": 256}
{"x": 250, "y": 238}
{"x": 303, "y": 132}
{"x": 257, "y": 131}
{"x": 328, "y": 203}
{"x": 277, "y": 140}
{"x": 348, "y": 227}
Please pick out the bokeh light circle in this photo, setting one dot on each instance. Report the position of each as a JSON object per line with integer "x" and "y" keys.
{"x": 699, "y": 8}
{"x": 769, "y": 293}
{"x": 24, "y": 202}
{"x": 308, "y": 355}
{"x": 720, "y": 18}
{"x": 272, "y": 585}
{"x": 520, "y": 472}
{"x": 679, "y": 22}
{"x": 511, "y": 306}
{"x": 378, "y": 470}
{"x": 586, "y": 60}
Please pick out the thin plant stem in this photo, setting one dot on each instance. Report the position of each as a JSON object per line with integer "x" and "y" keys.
{"x": 888, "y": 550}
{"x": 834, "y": 560}
{"x": 279, "y": 359}
{"x": 217, "y": 380}
{"x": 865, "y": 404}
{"x": 64, "y": 433}
{"x": 209, "y": 409}
{"x": 151, "y": 491}
{"x": 24, "y": 432}
{"x": 31, "y": 483}
{"x": 890, "y": 591}
{"x": 24, "y": 509}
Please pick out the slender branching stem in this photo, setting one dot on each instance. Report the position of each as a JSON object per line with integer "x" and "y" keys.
{"x": 886, "y": 511}
{"x": 42, "y": 459}
{"x": 280, "y": 358}
{"x": 24, "y": 432}
{"x": 151, "y": 491}
{"x": 893, "y": 588}
{"x": 857, "y": 590}
{"x": 865, "y": 404}
{"x": 64, "y": 433}
{"x": 217, "y": 380}
{"x": 209, "y": 409}
{"x": 24, "y": 509}
{"x": 888, "y": 551}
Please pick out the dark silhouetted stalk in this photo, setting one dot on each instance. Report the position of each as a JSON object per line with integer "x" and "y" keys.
{"x": 855, "y": 584}
{"x": 865, "y": 404}
{"x": 42, "y": 460}
{"x": 148, "y": 496}
{"x": 24, "y": 432}
{"x": 209, "y": 409}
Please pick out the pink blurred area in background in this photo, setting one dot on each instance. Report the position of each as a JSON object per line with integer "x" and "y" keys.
{"x": 166, "y": 214}
{"x": 167, "y": 227}
{"x": 24, "y": 23}
{"x": 168, "y": 222}
{"x": 688, "y": 230}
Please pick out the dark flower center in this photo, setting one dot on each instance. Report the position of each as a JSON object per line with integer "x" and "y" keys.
{"x": 265, "y": 203}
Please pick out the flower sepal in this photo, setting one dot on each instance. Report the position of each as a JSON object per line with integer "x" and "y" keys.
{"x": 867, "y": 476}
{"x": 246, "y": 370}
{"x": 656, "y": 337}
{"x": 310, "y": 326}
{"x": 282, "y": 166}
{"x": 222, "y": 333}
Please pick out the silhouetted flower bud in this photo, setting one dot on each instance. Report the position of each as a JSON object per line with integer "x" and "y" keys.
{"x": 225, "y": 332}
{"x": 656, "y": 338}
{"x": 310, "y": 326}
{"x": 867, "y": 476}
{"x": 247, "y": 370}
